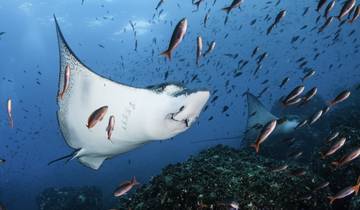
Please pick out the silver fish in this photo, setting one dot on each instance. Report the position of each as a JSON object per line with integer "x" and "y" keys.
{"x": 294, "y": 93}
{"x": 349, "y": 4}
{"x": 320, "y": 5}
{"x": 329, "y": 7}
{"x": 340, "y": 97}
{"x": 308, "y": 75}
{"x": 233, "y": 5}
{"x": 326, "y": 24}
{"x": 356, "y": 14}
{"x": 309, "y": 95}
{"x": 332, "y": 136}
{"x": 292, "y": 101}
{"x": 334, "y": 148}
{"x": 321, "y": 186}
{"x": 315, "y": 117}
{"x": 9, "y": 112}
{"x": 210, "y": 48}
{"x": 302, "y": 124}
{"x": 198, "y": 49}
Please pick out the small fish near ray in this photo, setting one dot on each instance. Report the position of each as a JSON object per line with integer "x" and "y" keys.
{"x": 176, "y": 38}
{"x": 145, "y": 114}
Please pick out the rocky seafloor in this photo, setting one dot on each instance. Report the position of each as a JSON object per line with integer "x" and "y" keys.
{"x": 221, "y": 175}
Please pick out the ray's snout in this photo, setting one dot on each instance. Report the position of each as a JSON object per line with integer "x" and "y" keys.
{"x": 192, "y": 107}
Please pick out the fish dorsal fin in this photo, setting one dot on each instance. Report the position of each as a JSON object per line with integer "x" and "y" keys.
{"x": 257, "y": 113}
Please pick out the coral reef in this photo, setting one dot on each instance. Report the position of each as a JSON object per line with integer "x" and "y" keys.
{"x": 221, "y": 175}
{"x": 70, "y": 198}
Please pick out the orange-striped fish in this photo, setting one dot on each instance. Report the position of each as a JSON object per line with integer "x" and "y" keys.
{"x": 347, "y": 158}
{"x": 356, "y": 14}
{"x": 334, "y": 148}
{"x": 96, "y": 116}
{"x": 346, "y": 192}
{"x": 294, "y": 94}
{"x": 321, "y": 186}
{"x": 110, "y": 127}
{"x": 349, "y": 4}
{"x": 340, "y": 97}
{"x": 176, "y": 38}
{"x": 66, "y": 81}
{"x": 264, "y": 134}
{"x": 125, "y": 187}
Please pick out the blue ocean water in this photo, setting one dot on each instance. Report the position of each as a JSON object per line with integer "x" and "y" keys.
{"x": 100, "y": 34}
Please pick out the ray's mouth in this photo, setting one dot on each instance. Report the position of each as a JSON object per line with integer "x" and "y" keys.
{"x": 186, "y": 121}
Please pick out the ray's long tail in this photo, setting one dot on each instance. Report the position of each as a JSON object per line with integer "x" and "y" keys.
{"x": 68, "y": 157}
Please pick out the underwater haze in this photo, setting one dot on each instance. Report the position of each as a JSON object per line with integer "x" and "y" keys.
{"x": 274, "y": 70}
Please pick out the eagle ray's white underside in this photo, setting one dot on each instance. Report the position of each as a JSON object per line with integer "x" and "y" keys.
{"x": 141, "y": 115}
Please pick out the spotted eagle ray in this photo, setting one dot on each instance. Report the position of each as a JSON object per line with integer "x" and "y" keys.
{"x": 142, "y": 114}
{"x": 258, "y": 116}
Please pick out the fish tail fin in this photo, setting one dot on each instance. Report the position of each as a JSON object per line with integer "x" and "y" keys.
{"x": 197, "y": 4}
{"x": 332, "y": 199}
{"x": 226, "y": 9}
{"x": 330, "y": 103}
{"x": 11, "y": 122}
{"x": 256, "y": 146}
{"x": 356, "y": 188}
{"x": 167, "y": 54}
{"x": 61, "y": 96}
{"x": 68, "y": 157}
{"x": 270, "y": 29}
